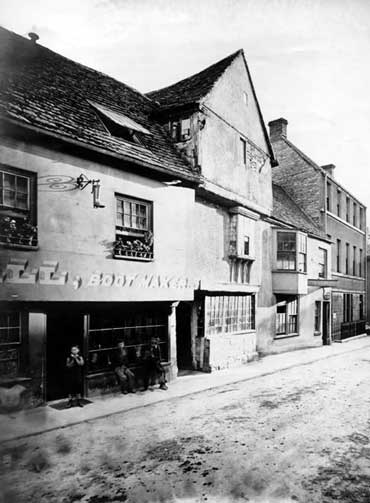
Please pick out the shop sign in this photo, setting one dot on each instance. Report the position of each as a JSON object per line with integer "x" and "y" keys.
{"x": 17, "y": 272}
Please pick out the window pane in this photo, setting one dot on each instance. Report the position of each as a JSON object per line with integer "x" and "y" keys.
{"x": 22, "y": 184}
{"x": 9, "y": 181}
{"x": 22, "y": 201}
{"x": 9, "y": 198}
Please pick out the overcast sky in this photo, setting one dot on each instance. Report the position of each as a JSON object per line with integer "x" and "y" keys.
{"x": 309, "y": 59}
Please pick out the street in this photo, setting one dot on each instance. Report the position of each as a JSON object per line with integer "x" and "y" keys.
{"x": 298, "y": 435}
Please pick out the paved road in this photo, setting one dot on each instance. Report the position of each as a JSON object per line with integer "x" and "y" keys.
{"x": 299, "y": 435}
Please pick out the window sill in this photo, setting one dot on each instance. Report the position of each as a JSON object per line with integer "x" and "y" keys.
{"x": 285, "y": 336}
{"x": 131, "y": 257}
{"x": 289, "y": 270}
{"x": 15, "y": 246}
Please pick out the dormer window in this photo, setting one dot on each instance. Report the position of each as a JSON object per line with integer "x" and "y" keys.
{"x": 180, "y": 129}
{"x": 118, "y": 124}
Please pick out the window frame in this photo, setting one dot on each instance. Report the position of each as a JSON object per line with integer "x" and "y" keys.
{"x": 13, "y": 346}
{"x": 133, "y": 243}
{"x": 22, "y": 236}
{"x": 285, "y": 303}
{"x": 243, "y": 146}
{"x": 324, "y": 257}
{"x": 318, "y": 317}
{"x": 293, "y": 257}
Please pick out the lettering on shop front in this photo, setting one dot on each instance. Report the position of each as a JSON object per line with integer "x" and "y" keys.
{"x": 17, "y": 272}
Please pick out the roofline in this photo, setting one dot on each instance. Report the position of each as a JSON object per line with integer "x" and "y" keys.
{"x": 318, "y": 168}
{"x": 277, "y": 221}
{"x": 274, "y": 161}
{"x": 196, "y": 179}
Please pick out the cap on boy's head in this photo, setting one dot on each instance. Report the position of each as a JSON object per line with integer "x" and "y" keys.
{"x": 120, "y": 343}
{"x": 154, "y": 340}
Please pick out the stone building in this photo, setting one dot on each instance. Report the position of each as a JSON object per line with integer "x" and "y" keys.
{"x": 215, "y": 120}
{"x": 342, "y": 218}
{"x": 96, "y": 239}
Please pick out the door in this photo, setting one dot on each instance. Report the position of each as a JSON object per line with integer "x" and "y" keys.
{"x": 64, "y": 330}
{"x": 183, "y": 336}
{"x": 326, "y": 323}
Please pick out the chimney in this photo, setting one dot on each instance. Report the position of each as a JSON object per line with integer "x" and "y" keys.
{"x": 278, "y": 128}
{"x": 33, "y": 37}
{"x": 329, "y": 168}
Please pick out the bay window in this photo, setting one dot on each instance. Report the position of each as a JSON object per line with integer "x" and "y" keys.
{"x": 291, "y": 251}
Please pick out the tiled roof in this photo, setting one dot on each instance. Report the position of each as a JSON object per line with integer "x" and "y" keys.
{"x": 287, "y": 211}
{"x": 43, "y": 89}
{"x": 192, "y": 89}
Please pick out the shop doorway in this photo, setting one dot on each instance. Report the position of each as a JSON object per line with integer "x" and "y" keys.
{"x": 183, "y": 336}
{"x": 326, "y": 323}
{"x": 64, "y": 329}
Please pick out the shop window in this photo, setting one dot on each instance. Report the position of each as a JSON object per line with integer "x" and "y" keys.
{"x": 291, "y": 251}
{"x": 317, "y": 316}
{"x": 17, "y": 207}
{"x": 323, "y": 263}
{"x": 229, "y": 314}
{"x": 134, "y": 229}
{"x": 133, "y": 328}
{"x": 10, "y": 343}
{"x": 287, "y": 317}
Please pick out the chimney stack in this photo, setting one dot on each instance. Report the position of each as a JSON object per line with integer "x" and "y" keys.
{"x": 278, "y": 128}
{"x": 329, "y": 168}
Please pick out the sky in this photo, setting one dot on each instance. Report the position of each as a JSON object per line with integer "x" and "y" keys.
{"x": 309, "y": 59}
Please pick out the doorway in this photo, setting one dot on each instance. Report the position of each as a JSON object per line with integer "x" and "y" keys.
{"x": 183, "y": 336}
{"x": 326, "y": 323}
{"x": 64, "y": 329}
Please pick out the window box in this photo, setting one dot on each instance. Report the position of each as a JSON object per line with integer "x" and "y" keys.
{"x": 134, "y": 236}
{"x": 17, "y": 208}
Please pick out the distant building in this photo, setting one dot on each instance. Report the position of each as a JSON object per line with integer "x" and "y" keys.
{"x": 340, "y": 215}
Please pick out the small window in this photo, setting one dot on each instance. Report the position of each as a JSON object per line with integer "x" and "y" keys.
{"x": 338, "y": 254}
{"x": 347, "y": 209}
{"x": 361, "y": 307}
{"x": 354, "y": 214}
{"x": 134, "y": 236}
{"x": 361, "y": 222}
{"x": 328, "y": 196}
{"x": 292, "y": 251}
{"x": 323, "y": 259}
{"x": 347, "y": 258}
{"x": 287, "y": 317}
{"x": 17, "y": 207}
{"x": 317, "y": 316}
{"x": 180, "y": 129}
{"x": 354, "y": 259}
{"x": 10, "y": 343}
{"x": 243, "y": 151}
{"x": 339, "y": 198}
{"x": 360, "y": 266}
{"x": 246, "y": 245}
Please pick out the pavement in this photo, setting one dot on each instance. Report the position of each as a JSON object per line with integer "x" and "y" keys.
{"x": 26, "y": 423}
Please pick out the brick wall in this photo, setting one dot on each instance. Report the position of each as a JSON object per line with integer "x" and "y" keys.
{"x": 299, "y": 179}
